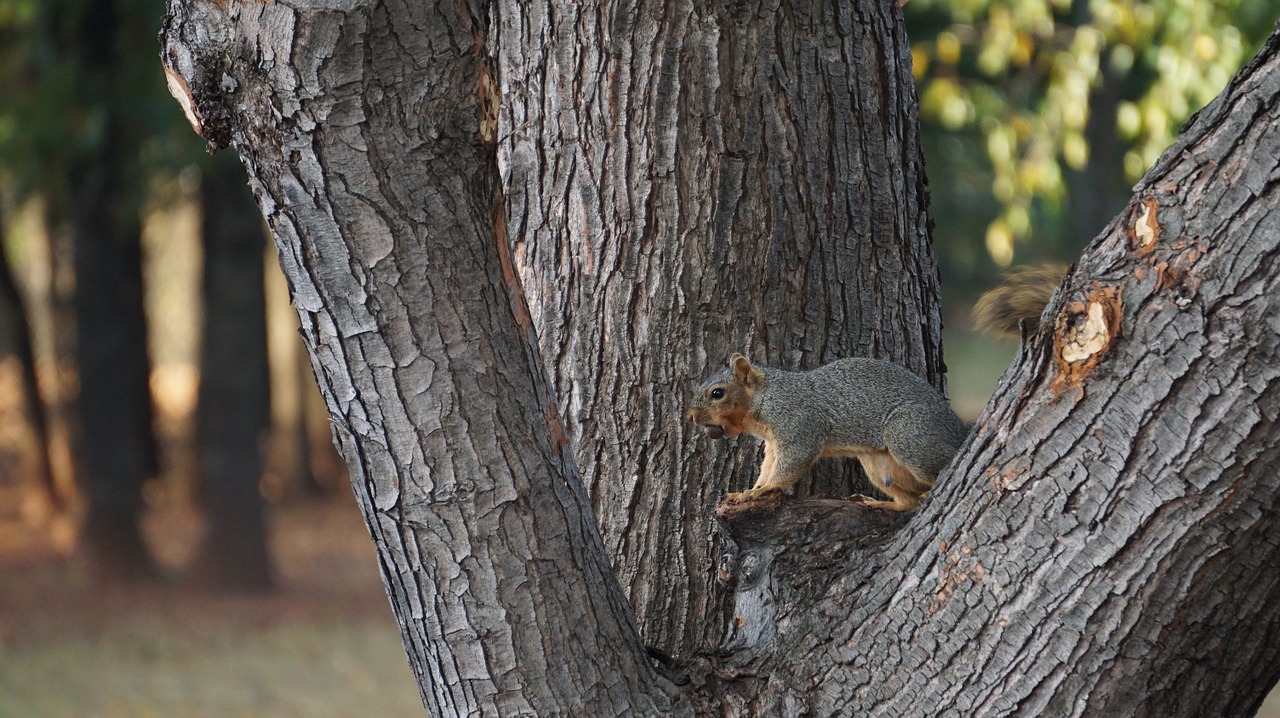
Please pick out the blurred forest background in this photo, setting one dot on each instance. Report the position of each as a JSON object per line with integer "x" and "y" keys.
{"x": 176, "y": 533}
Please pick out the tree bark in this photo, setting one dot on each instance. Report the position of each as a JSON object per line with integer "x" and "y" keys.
{"x": 1106, "y": 542}
{"x": 384, "y": 201}
{"x": 685, "y": 180}
{"x": 233, "y": 409}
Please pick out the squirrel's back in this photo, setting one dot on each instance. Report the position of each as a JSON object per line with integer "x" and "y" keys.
{"x": 850, "y": 400}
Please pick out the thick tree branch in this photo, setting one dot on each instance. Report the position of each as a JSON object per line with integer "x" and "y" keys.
{"x": 1106, "y": 543}
{"x": 781, "y": 552}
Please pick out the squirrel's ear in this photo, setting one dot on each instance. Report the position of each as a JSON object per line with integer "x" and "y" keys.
{"x": 742, "y": 370}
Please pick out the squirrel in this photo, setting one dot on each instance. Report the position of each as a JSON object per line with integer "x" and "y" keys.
{"x": 899, "y": 428}
{"x": 894, "y": 423}
{"x": 1021, "y": 297}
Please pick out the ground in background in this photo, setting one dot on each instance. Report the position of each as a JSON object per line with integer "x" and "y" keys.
{"x": 323, "y": 645}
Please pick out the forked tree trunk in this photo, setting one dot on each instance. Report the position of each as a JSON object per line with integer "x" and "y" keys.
{"x": 1068, "y": 565}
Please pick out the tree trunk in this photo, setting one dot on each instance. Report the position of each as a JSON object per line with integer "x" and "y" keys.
{"x": 14, "y": 322}
{"x": 399, "y": 153}
{"x": 114, "y": 409}
{"x": 233, "y": 411}
{"x": 116, "y": 445}
{"x": 687, "y": 180}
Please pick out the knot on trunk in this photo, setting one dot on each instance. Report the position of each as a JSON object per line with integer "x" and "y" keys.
{"x": 779, "y": 555}
{"x": 195, "y": 58}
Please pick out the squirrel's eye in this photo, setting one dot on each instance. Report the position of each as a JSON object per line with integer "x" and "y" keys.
{"x": 717, "y": 393}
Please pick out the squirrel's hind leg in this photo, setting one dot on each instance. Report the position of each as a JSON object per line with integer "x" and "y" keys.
{"x": 902, "y": 501}
{"x": 894, "y": 479}
{"x": 918, "y": 438}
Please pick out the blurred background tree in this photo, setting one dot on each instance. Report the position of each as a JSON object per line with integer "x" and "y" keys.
{"x": 1039, "y": 115}
{"x": 78, "y": 112}
{"x": 92, "y": 149}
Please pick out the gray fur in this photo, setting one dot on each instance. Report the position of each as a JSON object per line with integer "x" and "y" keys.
{"x": 852, "y": 402}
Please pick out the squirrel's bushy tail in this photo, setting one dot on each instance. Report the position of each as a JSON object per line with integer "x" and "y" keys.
{"x": 1021, "y": 296}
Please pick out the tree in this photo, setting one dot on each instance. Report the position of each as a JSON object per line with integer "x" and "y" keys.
{"x": 233, "y": 410}
{"x": 77, "y": 109}
{"x": 481, "y": 208}
{"x": 116, "y": 447}
{"x": 635, "y": 282}
{"x": 15, "y": 330}
{"x": 81, "y": 127}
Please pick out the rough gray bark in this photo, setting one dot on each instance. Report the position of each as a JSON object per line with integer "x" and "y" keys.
{"x": 685, "y": 180}
{"x": 1107, "y": 542}
{"x": 359, "y": 128}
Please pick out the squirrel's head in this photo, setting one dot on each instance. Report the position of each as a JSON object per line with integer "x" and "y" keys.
{"x": 723, "y": 404}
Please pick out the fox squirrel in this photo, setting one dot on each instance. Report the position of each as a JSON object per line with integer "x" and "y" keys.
{"x": 894, "y": 423}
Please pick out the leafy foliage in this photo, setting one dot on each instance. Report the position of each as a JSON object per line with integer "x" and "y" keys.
{"x": 79, "y": 77}
{"x": 1021, "y": 77}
